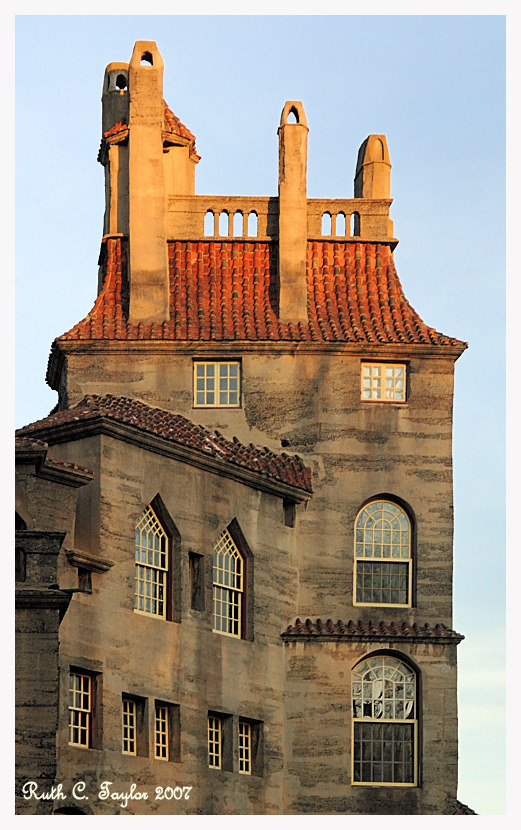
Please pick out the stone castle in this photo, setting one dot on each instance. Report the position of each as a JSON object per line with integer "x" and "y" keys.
{"x": 234, "y": 534}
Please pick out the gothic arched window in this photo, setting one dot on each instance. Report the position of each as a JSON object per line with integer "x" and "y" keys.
{"x": 151, "y": 566}
{"x": 228, "y": 586}
{"x": 385, "y": 722}
{"x": 383, "y": 564}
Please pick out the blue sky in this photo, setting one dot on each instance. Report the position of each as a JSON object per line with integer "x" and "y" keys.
{"x": 435, "y": 85}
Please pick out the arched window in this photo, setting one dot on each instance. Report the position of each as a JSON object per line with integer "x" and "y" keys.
{"x": 383, "y": 564}
{"x": 224, "y": 220}
{"x": 238, "y": 223}
{"x": 228, "y": 587}
{"x": 340, "y": 228}
{"x": 252, "y": 224}
{"x": 384, "y": 737}
{"x": 151, "y": 566}
{"x": 355, "y": 224}
{"x": 209, "y": 223}
{"x": 326, "y": 224}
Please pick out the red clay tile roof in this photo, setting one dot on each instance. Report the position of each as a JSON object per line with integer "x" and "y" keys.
{"x": 227, "y": 291}
{"x": 463, "y": 810}
{"x": 120, "y": 127}
{"x": 174, "y": 125}
{"x": 283, "y": 468}
{"x": 370, "y": 630}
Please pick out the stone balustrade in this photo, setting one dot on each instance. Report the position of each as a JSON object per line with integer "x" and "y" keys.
{"x": 256, "y": 218}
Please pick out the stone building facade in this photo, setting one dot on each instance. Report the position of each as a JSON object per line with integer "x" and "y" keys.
{"x": 256, "y": 571}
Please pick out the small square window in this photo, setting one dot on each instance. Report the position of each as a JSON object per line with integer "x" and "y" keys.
{"x": 217, "y": 384}
{"x": 383, "y": 382}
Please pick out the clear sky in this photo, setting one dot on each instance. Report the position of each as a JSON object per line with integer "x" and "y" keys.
{"x": 435, "y": 85}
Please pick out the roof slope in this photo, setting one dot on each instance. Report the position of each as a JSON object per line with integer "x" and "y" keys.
{"x": 227, "y": 291}
{"x": 284, "y": 468}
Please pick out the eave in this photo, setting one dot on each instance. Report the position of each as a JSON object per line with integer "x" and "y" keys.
{"x": 102, "y": 425}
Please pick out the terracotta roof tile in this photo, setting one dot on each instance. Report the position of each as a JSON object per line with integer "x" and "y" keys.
{"x": 174, "y": 125}
{"x": 370, "y": 630}
{"x": 227, "y": 291}
{"x": 283, "y": 468}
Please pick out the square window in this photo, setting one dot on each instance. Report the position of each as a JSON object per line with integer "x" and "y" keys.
{"x": 383, "y": 382}
{"x": 217, "y": 383}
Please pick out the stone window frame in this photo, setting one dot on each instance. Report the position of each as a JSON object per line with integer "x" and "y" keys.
{"x": 404, "y": 509}
{"x": 395, "y": 375}
{"x": 201, "y": 392}
{"x": 392, "y": 728}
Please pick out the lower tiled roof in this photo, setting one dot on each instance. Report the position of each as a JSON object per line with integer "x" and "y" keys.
{"x": 284, "y": 468}
{"x": 29, "y": 446}
{"x": 370, "y": 630}
{"x": 227, "y": 291}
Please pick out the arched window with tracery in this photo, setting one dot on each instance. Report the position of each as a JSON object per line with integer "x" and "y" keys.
{"x": 385, "y": 722}
{"x": 383, "y": 563}
{"x": 228, "y": 587}
{"x": 151, "y": 566}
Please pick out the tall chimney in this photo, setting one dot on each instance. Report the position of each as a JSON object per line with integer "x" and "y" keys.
{"x": 293, "y": 142}
{"x": 114, "y": 99}
{"x": 148, "y": 260}
{"x": 373, "y": 169}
